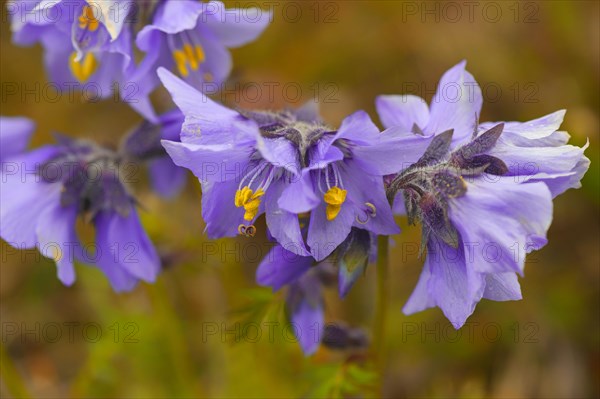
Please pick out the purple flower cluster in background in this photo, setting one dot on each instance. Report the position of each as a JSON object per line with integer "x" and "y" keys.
{"x": 97, "y": 42}
{"x": 482, "y": 192}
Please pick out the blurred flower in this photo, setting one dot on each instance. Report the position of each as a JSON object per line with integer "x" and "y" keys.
{"x": 143, "y": 144}
{"x": 192, "y": 38}
{"x": 14, "y": 136}
{"x": 341, "y": 336}
{"x": 284, "y": 164}
{"x": 45, "y": 190}
{"x": 305, "y": 295}
{"x": 479, "y": 220}
{"x": 87, "y": 44}
{"x": 352, "y": 257}
{"x": 306, "y": 279}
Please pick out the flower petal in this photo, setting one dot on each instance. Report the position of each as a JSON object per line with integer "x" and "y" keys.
{"x": 299, "y": 196}
{"x": 125, "y": 246}
{"x": 548, "y": 164}
{"x": 57, "y": 239}
{"x": 455, "y": 287}
{"x": 456, "y": 104}
{"x": 281, "y": 267}
{"x": 173, "y": 17}
{"x": 402, "y": 111}
{"x": 210, "y": 163}
{"x": 107, "y": 258}
{"x": 535, "y": 129}
{"x": 206, "y": 120}
{"x": 284, "y": 226}
{"x": 25, "y": 196}
{"x": 358, "y": 128}
{"x": 499, "y": 221}
{"x": 391, "y": 152}
{"x": 502, "y": 287}
{"x": 221, "y": 216}
{"x": 167, "y": 179}
{"x": 324, "y": 236}
{"x": 365, "y": 191}
{"x": 15, "y": 133}
{"x": 235, "y": 27}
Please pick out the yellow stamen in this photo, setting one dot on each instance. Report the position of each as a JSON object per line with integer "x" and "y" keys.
{"x": 188, "y": 56}
{"x": 87, "y": 19}
{"x": 83, "y": 69}
{"x": 181, "y": 61}
{"x": 191, "y": 56}
{"x": 250, "y": 200}
{"x": 334, "y": 198}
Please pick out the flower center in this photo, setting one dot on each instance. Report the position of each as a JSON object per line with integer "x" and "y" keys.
{"x": 90, "y": 178}
{"x": 187, "y": 52}
{"x": 304, "y": 135}
{"x": 438, "y": 177}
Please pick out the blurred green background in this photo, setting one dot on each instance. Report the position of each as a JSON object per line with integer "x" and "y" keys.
{"x": 531, "y": 58}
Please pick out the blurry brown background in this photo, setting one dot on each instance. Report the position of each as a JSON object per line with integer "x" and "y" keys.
{"x": 531, "y": 58}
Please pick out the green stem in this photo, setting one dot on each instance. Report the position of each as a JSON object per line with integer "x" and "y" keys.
{"x": 382, "y": 294}
{"x": 12, "y": 380}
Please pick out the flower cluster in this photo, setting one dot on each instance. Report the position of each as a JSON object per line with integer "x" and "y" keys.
{"x": 482, "y": 192}
{"x": 96, "y": 42}
{"x": 46, "y": 190}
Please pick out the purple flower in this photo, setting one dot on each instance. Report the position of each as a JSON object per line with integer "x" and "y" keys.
{"x": 284, "y": 164}
{"x": 14, "y": 135}
{"x": 45, "y": 190}
{"x": 306, "y": 279}
{"x": 467, "y": 189}
{"x": 143, "y": 144}
{"x": 532, "y": 151}
{"x": 305, "y": 294}
{"x": 192, "y": 38}
{"x": 87, "y": 45}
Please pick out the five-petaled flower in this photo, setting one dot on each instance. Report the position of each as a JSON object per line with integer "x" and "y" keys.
{"x": 43, "y": 193}
{"x": 483, "y": 193}
{"x": 285, "y": 164}
{"x": 87, "y": 44}
{"x": 192, "y": 38}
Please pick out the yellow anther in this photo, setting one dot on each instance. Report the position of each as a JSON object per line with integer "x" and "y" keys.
{"x": 247, "y": 231}
{"x": 87, "y": 19}
{"x": 250, "y": 200}
{"x": 334, "y": 198}
{"x": 191, "y": 57}
{"x": 188, "y": 56}
{"x": 181, "y": 61}
{"x": 84, "y": 68}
